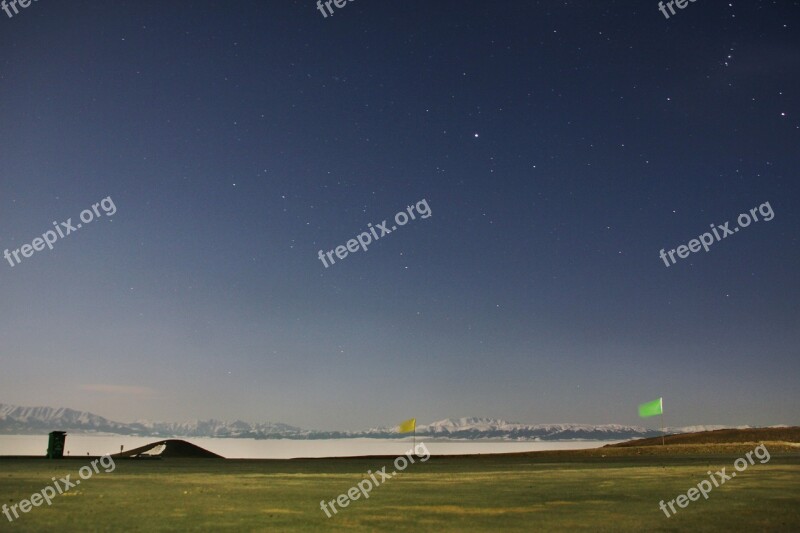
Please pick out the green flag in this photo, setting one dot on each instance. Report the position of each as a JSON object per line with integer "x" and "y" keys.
{"x": 656, "y": 407}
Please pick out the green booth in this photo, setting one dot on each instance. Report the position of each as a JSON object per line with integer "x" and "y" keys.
{"x": 55, "y": 444}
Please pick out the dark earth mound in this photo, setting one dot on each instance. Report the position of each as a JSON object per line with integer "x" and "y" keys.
{"x": 172, "y": 448}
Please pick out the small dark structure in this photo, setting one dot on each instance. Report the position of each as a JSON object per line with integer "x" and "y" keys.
{"x": 55, "y": 444}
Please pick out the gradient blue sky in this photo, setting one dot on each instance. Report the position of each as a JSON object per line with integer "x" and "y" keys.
{"x": 560, "y": 146}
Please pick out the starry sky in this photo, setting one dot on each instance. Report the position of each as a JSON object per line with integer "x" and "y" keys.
{"x": 560, "y": 145}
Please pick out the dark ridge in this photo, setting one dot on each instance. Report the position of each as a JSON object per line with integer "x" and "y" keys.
{"x": 720, "y": 436}
{"x": 172, "y": 448}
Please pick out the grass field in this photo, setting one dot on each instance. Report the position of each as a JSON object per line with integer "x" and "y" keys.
{"x": 520, "y": 492}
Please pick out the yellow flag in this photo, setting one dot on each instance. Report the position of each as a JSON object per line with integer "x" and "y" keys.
{"x": 408, "y": 426}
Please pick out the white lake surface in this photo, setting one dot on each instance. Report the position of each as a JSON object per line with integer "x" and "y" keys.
{"x": 78, "y": 445}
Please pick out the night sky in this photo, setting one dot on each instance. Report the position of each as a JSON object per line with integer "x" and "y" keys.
{"x": 559, "y": 145}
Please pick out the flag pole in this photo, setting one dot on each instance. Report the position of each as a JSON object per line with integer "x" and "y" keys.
{"x": 662, "y": 427}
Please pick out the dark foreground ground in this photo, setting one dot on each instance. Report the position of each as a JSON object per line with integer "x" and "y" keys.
{"x": 608, "y": 489}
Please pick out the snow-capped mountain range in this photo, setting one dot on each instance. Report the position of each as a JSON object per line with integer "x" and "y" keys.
{"x": 39, "y": 420}
{"x": 21, "y": 420}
